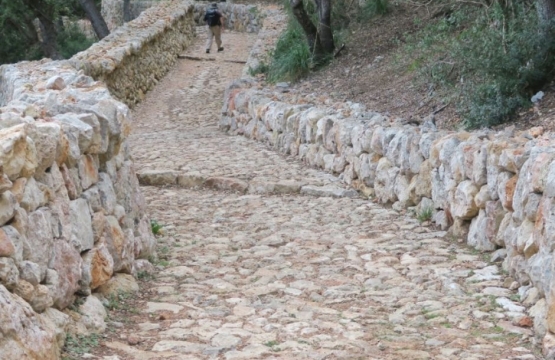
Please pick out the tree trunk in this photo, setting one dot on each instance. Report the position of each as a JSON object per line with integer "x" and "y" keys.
{"x": 97, "y": 21}
{"x": 49, "y": 34}
{"x": 308, "y": 27}
{"x": 126, "y": 10}
{"x": 324, "y": 26}
{"x": 546, "y": 10}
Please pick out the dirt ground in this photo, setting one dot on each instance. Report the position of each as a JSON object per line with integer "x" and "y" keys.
{"x": 373, "y": 71}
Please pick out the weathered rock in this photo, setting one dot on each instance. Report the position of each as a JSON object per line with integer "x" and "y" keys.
{"x": 464, "y": 206}
{"x": 7, "y": 207}
{"x": 119, "y": 283}
{"x": 227, "y": 184}
{"x": 67, "y": 262}
{"x": 82, "y": 237}
{"x": 24, "y": 333}
{"x": 158, "y": 177}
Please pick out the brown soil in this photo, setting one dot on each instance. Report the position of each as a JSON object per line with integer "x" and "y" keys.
{"x": 373, "y": 70}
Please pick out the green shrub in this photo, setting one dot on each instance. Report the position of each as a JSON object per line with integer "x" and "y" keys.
{"x": 291, "y": 59}
{"x": 372, "y": 8}
{"x": 72, "y": 40}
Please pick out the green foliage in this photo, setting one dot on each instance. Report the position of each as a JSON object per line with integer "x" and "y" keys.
{"x": 72, "y": 40}
{"x": 155, "y": 227}
{"x": 77, "y": 345}
{"x": 119, "y": 301}
{"x": 491, "y": 62}
{"x": 291, "y": 59}
{"x": 373, "y": 8}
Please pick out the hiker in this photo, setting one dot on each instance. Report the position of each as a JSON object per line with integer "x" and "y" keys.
{"x": 215, "y": 21}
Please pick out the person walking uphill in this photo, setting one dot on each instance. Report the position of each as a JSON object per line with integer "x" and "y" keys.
{"x": 215, "y": 21}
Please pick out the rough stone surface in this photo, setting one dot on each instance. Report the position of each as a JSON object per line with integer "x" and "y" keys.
{"x": 286, "y": 276}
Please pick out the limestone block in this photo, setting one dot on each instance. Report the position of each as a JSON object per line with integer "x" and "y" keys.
{"x": 381, "y": 137}
{"x": 464, "y": 206}
{"x": 532, "y": 206}
{"x": 513, "y": 159}
{"x": 327, "y": 191}
{"x": 57, "y": 323}
{"x": 5, "y": 183}
{"x": 69, "y": 182}
{"x": 539, "y": 313}
{"x": 190, "y": 180}
{"x": 359, "y": 138}
{"x": 72, "y": 123}
{"x": 99, "y": 138}
{"x": 119, "y": 283}
{"x": 20, "y": 222}
{"x": 415, "y": 159}
{"x": 394, "y": 149}
{"x": 39, "y": 237}
{"x": 538, "y": 171}
{"x": 343, "y": 134}
{"x": 9, "y": 274}
{"x": 31, "y": 272}
{"x": 495, "y": 215}
{"x": 82, "y": 237}
{"x": 25, "y": 290}
{"x": 100, "y": 263}
{"x": 493, "y": 150}
{"x": 120, "y": 247}
{"x": 88, "y": 171}
{"x": 457, "y": 163}
{"x": 368, "y": 166}
{"x": 327, "y": 130}
{"x": 56, "y": 83}
{"x": 525, "y": 235}
{"x": 477, "y": 236}
{"x": 426, "y": 142}
{"x": 25, "y": 334}
{"x": 506, "y": 184}
{"x": 443, "y": 188}
{"x": 33, "y": 196}
{"x": 227, "y": 184}
{"x": 479, "y": 173}
{"x": 46, "y": 137}
{"x": 13, "y": 150}
{"x": 144, "y": 234}
{"x": 506, "y": 226}
{"x": 482, "y": 197}
{"x": 107, "y": 194}
{"x": 157, "y": 177}
{"x": 42, "y": 299}
{"x": 402, "y": 191}
{"x": 7, "y": 247}
{"x": 93, "y": 314}
{"x": 66, "y": 261}
{"x": 68, "y": 150}
{"x": 11, "y": 241}
{"x": 386, "y": 175}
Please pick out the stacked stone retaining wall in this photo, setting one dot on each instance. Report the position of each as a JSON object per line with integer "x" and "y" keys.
{"x": 496, "y": 189}
{"x": 239, "y": 17}
{"x": 72, "y": 217}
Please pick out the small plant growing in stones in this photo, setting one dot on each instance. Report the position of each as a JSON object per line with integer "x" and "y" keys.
{"x": 424, "y": 214}
{"x": 77, "y": 345}
{"x": 155, "y": 227}
{"x": 144, "y": 275}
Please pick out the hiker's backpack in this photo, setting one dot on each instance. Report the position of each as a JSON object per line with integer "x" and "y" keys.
{"x": 212, "y": 17}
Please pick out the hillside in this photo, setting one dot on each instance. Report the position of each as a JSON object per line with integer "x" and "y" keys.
{"x": 375, "y": 69}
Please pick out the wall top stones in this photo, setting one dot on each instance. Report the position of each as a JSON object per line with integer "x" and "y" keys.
{"x": 104, "y": 56}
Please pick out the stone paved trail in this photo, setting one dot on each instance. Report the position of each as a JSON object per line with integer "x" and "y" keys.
{"x": 291, "y": 276}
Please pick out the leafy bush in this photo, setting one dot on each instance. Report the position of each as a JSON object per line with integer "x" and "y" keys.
{"x": 72, "y": 40}
{"x": 491, "y": 62}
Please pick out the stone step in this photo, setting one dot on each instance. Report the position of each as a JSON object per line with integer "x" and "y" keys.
{"x": 195, "y": 180}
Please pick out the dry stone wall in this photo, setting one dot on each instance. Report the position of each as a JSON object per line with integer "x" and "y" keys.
{"x": 134, "y": 57}
{"x": 72, "y": 217}
{"x": 239, "y": 17}
{"x": 497, "y": 189}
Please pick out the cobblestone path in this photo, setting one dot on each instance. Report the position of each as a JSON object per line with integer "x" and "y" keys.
{"x": 290, "y": 276}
